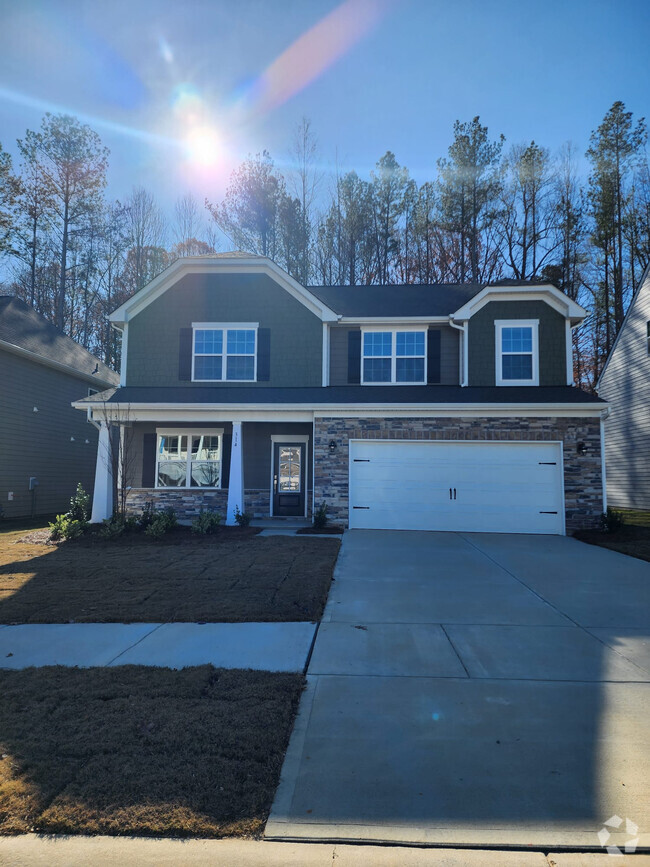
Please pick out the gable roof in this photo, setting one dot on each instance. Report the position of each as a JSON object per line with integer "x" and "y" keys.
{"x": 26, "y": 332}
{"x": 438, "y": 299}
{"x": 235, "y": 262}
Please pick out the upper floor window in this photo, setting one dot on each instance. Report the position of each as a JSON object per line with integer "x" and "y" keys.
{"x": 397, "y": 356}
{"x": 189, "y": 459}
{"x": 517, "y": 357}
{"x": 224, "y": 353}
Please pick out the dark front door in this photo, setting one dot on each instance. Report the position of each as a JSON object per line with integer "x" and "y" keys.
{"x": 289, "y": 478}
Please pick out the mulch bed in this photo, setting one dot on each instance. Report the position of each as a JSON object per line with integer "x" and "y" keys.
{"x": 632, "y": 540}
{"x": 232, "y": 576}
{"x": 330, "y": 530}
{"x": 146, "y": 751}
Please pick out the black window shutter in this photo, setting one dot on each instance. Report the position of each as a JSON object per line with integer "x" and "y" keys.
{"x": 149, "y": 460}
{"x": 354, "y": 357}
{"x": 263, "y": 354}
{"x": 225, "y": 459}
{"x": 433, "y": 355}
{"x": 185, "y": 354}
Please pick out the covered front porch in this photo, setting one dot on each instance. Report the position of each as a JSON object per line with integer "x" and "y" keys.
{"x": 220, "y": 465}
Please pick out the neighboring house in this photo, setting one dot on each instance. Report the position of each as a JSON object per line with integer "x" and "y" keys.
{"x": 46, "y": 447}
{"x": 446, "y": 407}
{"x": 625, "y": 385}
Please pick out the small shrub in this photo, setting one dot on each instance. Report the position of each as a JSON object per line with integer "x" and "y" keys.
{"x": 79, "y": 505}
{"x": 206, "y": 523}
{"x": 65, "y": 527}
{"x": 161, "y": 523}
{"x": 611, "y": 521}
{"x": 320, "y": 516}
{"x": 146, "y": 516}
{"x": 243, "y": 519}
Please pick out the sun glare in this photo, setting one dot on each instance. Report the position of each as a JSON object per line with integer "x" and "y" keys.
{"x": 203, "y": 147}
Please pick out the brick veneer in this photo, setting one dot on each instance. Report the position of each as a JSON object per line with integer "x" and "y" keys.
{"x": 582, "y": 474}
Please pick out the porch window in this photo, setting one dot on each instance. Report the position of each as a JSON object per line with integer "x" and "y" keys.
{"x": 517, "y": 360}
{"x": 224, "y": 353}
{"x": 394, "y": 357}
{"x": 189, "y": 459}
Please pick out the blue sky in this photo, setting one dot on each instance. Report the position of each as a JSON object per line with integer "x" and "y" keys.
{"x": 376, "y": 75}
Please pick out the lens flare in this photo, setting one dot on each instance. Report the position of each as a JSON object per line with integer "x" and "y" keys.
{"x": 202, "y": 146}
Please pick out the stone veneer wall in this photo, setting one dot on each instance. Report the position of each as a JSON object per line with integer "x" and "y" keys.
{"x": 188, "y": 503}
{"x": 582, "y": 474}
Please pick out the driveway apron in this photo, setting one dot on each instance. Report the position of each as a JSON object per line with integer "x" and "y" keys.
{"x": 474, "y": 689}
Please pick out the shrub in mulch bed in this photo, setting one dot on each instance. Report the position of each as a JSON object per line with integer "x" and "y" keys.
{"x": 146, "y": 751}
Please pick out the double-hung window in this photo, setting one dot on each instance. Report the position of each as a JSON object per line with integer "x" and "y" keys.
{"x": 224, "y": 353}
{"x": 517, "y": 355}
{"x": 189, "y": 459}
{"x": 395, "y": 357}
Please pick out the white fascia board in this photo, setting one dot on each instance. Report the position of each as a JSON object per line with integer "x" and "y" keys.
{"x": 191, "y": 265}
{"x": 397, "y": 320}
{"x": 542, "y": 292}
{"x": 55, "y": 365}
{"x": 284, "y": 412}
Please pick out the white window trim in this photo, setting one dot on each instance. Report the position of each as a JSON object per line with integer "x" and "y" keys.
{"x": 499, "y": 325}
{"x": 188, "y": 432}
{"x": 393, "y": 364}
{"x": 225, "y": 327}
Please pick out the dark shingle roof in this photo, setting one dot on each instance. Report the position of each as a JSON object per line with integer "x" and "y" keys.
{"x": 22, "y": 326}
{"x": 346, "y": 394}
{"x": 439, "y": 299}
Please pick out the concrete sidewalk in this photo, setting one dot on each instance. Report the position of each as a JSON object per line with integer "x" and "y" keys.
{"x": 32, "y": 850}
{"x": 263, "y": 646}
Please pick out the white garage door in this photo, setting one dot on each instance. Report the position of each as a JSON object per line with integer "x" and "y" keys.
{"x": 470, "y": 487}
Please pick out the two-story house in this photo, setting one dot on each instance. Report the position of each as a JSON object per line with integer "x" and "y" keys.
{"x": 446, "y": 407}
{"x": 45, "y": 446}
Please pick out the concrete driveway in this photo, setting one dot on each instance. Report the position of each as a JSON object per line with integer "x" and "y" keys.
{"x": 469, "y": 689}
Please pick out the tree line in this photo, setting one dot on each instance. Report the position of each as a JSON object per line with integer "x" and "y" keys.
{"x": 491, "y": 212}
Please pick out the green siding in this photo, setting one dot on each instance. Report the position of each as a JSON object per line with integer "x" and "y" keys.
{"x": 39, "y": 443}
{"x": 296, "y": 333}
{"x": 552, "y": 340}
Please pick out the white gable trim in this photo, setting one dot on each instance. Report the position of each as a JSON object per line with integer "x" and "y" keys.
{"x": 236, "y": 265}
{"x": 543, "y": 292}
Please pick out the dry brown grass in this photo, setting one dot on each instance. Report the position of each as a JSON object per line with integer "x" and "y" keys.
{"x": 145, "y": 751}
{"x": 229, "y": 577}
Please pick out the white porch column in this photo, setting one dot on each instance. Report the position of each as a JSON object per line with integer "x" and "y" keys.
{"x": 103, "y": 492}
{"x": 236, "y": 481}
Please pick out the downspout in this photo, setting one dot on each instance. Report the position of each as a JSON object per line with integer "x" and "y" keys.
{"x": 462, "y": 350}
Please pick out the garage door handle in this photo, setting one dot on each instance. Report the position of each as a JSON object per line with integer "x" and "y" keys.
{"x": 547, "y": 463}
{"x": 361, "y": 460}
{"x": 450, "y": 493}
{"x": 454, "y": 493}
{"x": 360, "y": 507}
{"x": 548, "y": 513}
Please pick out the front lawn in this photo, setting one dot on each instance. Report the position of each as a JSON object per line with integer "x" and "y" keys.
{"x": 144, "y": 751}
{"x": 233, "y": 576}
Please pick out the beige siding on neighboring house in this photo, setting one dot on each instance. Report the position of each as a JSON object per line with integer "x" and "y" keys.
{"x": 40, "y": 443}
{"x": 625, "y": 384}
